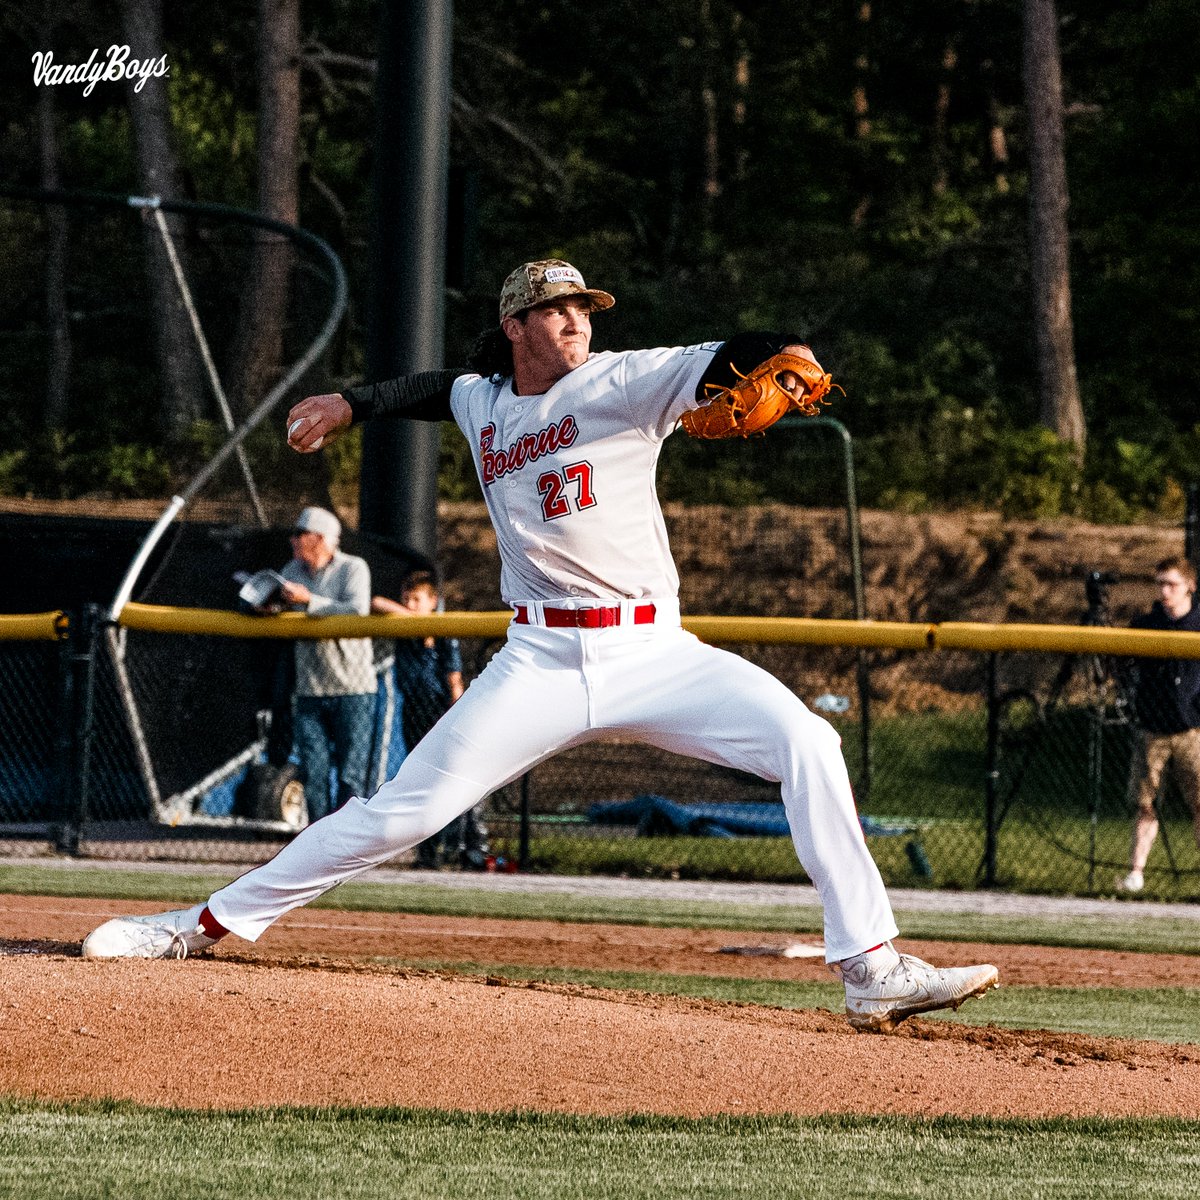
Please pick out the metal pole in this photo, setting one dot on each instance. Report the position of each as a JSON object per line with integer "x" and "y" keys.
{"x": 265, "y": 407}
{"x": 990, "y": 822}
{"x": 851, "y": 490}
{"x": 115, "y": 639}
{"x": 66, "y": 743}
{"x": 406, "y": 309}
{"x": 862, "y": 667}
{"x": 523, "y": 836}
{"x": 1095, "y": 775}
{"x": 83, "y": 659}
{"x": 125, "y": 590}
{"x": 337, "y": 308}
{"x": 210, "y": 367}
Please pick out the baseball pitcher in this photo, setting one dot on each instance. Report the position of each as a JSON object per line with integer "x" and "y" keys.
{"x": 566, "y": 444}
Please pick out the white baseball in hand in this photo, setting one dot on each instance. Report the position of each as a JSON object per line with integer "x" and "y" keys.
{"x": 296, "y": 425}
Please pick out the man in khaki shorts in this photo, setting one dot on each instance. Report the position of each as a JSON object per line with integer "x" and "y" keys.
{"x": 1168, "y": 714}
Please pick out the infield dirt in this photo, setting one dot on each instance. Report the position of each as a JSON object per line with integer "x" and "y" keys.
{"x": 311, "y": 1015}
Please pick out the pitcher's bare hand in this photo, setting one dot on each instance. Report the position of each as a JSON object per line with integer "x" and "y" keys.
{"x": 317, "y": 421}
{"x": 295, "y": 593}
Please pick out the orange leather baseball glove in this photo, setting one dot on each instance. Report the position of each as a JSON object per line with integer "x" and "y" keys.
{"x": 784, "y": 383}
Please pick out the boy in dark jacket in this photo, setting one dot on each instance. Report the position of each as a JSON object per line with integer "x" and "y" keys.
{"x": 429, "y": 679}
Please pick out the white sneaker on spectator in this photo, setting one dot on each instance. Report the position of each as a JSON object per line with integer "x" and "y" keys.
{"x": 884, "y": 987}
{"x": 161, "y": 935}
{"x": 1133, "y": 882}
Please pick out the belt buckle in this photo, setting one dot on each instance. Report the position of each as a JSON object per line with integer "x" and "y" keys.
{"x": 600, "y": 617}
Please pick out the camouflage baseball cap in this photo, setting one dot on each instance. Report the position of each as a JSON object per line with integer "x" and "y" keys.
{"x": 536, "y": 282}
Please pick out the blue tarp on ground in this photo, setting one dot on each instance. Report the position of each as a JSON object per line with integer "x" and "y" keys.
{"x": 658, "y": 815}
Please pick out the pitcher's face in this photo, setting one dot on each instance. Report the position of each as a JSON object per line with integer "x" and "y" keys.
{"x": 549, "y": 341}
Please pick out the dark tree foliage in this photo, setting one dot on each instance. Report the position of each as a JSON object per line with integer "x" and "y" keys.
{"x": 705, "y": 160}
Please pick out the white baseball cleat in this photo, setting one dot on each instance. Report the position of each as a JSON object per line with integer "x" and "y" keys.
{"x": 1133, "y": 882}
{"x": 161, "y": 935}
{"x": 882, "y": 989}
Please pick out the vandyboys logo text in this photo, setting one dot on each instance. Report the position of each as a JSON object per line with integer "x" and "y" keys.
{"x": 112, "y": 69}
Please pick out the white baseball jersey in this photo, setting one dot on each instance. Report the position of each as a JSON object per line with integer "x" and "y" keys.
{"x": 568, "y": 476}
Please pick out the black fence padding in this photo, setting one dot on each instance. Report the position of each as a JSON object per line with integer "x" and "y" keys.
{"x": 181, "y": 685}
{"x": 67, "y": 562}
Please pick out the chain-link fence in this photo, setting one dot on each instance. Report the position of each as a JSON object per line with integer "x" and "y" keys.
{"x": 971, "y": 768}
{"x": 35, "y": 741}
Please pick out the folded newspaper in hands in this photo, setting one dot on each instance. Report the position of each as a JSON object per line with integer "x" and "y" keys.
{"x": 260, "y": 589}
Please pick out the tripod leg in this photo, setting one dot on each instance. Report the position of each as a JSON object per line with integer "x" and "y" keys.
{"x": 1166, "y": 841}
{"x": 1095, "y": 784}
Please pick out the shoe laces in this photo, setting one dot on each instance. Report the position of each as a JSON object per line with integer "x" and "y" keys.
{"x": 910, "y": 965}
{"x": 179, "y": 946}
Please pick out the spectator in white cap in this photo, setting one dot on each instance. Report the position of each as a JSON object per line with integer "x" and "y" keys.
{"x": 334, "y": 700}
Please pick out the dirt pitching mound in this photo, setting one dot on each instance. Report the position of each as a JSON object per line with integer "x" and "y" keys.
{"x": 306, "y": 1017}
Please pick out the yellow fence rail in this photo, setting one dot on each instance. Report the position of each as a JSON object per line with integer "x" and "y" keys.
{"x": 887, "y": 635}
{"x": 33, "y": 627}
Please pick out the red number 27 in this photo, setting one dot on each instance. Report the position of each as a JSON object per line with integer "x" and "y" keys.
{"x": 559, "y": 488}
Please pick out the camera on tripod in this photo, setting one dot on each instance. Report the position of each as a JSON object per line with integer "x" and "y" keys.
{"x": 1096, "y": 587}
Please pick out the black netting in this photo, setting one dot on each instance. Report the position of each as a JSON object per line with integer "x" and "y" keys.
{"x": 966, "y": 772}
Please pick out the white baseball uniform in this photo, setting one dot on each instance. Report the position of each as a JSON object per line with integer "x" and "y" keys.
{"x": 595, "y": 651}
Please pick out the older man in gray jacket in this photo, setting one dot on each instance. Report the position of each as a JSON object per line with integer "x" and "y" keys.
{"x": 334, "y": 700}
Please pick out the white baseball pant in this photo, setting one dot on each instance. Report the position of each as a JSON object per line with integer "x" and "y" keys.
{"x": 549, "y": 689}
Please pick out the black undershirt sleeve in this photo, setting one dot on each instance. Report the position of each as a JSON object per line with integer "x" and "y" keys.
{"x": 745, "y": 351}
{"x": 424, "y": 396}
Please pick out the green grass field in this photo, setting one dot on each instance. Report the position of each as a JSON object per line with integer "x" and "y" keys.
{"x": 1128, "y": 931}
{"x": 50, "y": 1151}
{"x": 73, "y": 1152}
{"x": 1065, "y": 856}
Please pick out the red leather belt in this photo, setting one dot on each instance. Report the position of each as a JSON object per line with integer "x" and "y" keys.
{"x": 584, "y": 618}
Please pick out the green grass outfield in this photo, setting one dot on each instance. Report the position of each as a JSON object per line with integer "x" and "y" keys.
{"x": 1156, "y": 1014}
{"x": 123, "y": 1150}
{"x": 72, "y": 1152}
